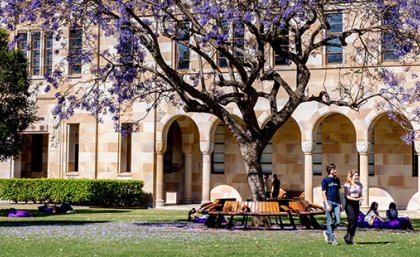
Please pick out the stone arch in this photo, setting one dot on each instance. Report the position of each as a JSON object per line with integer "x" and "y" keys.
{"x": 338, "y": 144}
{"x": 182, "y": 176}
{"x": 325, "y": 112}
{"x": 391, "y": 160}
{"x": 288, "y": 158}
{"x": 413, "y": 203}
{"x": 233, "y": 176}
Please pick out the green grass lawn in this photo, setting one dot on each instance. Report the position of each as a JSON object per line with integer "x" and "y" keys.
{"x": 137, "y": 232}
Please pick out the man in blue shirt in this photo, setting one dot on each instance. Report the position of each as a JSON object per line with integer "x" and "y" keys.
{"x": 331, "y": 196}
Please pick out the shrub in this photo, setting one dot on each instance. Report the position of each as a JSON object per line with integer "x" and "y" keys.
{"x": 100, "y": 192}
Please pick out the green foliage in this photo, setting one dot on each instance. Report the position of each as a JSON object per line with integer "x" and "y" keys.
{"x": 76, "y": 191}
{"x": 17, "y": 110}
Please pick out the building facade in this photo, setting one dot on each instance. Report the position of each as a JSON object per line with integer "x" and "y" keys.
{"x": 192, "y": 157}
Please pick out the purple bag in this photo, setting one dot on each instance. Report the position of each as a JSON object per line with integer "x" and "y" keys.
{"x": 13, "y": 213}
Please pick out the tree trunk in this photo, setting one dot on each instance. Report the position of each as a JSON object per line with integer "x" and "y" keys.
{"x": 252, "y": 157}
{"x": 251, "y": 152}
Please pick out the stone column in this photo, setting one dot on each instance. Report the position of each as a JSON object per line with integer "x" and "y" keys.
{"x": 417, "y": 155}
{"x": 308, "y": 179}
{"x": 206, "y": 149}
{"x": 187, "y": 150}
{"x": 160, "y": 150}
{"x": 362, "y": 148}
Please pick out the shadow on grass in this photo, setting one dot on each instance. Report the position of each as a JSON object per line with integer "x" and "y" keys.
{"x": 28, "y": 223}
{"x": 37, "y": 213}
{"x": 375, "y": 243}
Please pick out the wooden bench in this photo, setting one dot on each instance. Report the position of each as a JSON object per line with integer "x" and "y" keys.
{"x": 306, "y": 212}
{"x": 230, "y": 208}
{"x": 268, "y": 209}
{"x": 247, "y": 209}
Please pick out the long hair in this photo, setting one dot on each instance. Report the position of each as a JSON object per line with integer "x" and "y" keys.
{"x": 374, "y": 208}
{"x": 350, "y": 175}
{"x": 392, "y": 206}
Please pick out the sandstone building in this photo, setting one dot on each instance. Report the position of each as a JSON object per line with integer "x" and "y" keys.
{"x": 192, "y": 158}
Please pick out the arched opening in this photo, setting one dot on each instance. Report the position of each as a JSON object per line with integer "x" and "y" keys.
{"x": 393, "y": 165}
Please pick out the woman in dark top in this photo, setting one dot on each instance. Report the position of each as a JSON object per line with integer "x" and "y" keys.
{"x": 353, "y": 192}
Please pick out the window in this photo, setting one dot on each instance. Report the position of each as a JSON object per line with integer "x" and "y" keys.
{"x": 22, "y": 42}
{"x": 182, "y": 50}
{"x": 75, "y": 50}
{"x": 73, "y": 147}
{"x": 317, "y": 153}
{"x": 284, "y": 45}
{"x": 267, "y": 159}
{"x": 38, "y": 48}
{"x": 388, "y": 40}
{"x": 334, "y": 54}
{"x": 371, "y": 160}
{"x": 125, "y": 148}
{"x": 36, "y": 53}
{"x": 127, "y": 46}
{"x": 218, "y": 157}
{"x": 48, "y": 48}
{"x": 238, "y": 40}
{"x": 222, "y": 61}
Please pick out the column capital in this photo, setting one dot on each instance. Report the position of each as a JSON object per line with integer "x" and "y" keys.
{"x": 206, "y": 147}
{"x": 362, "y": 146}
{"x": 160, "y": 147}
{"x": 307, "y": 146}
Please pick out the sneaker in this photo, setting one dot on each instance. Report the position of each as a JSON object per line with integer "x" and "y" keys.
{"x": 326, "y": 238}
{"x": 334, "y": 242}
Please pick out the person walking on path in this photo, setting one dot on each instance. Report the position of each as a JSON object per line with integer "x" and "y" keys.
{"x": 267, "y": 186}
{"x": 331, "y": 197}
{"x": 276, "y": 187}
{"x": 353, "y": 193}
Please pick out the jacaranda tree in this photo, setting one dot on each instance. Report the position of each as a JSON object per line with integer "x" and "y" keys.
{"x": 17, "y": 109}
{"x": 241, "y": 34}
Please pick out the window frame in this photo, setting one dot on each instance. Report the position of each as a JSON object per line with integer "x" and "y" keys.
{"x": 317, "y": 152}
{"x": 48, "y": 53}
{"x": 283, "y": 43}
{"x": 126, "y": 142}
{"x": 386, "y": 49}
{"x": 35, "y": 53}
{"x": 186, "y": 51}
{"x": 267, "y": 163}
{"x": 219, "y": 150}
{"x": 328, "y": 33}
{"x": 75, "y": 49}
{"x": 44, "y": 49}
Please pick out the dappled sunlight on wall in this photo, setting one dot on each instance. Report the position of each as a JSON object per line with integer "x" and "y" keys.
{"x": 224, "y": 191}
{"x": 413, "y": 203}
{"x": 382, "y": 197}
{"x": 316, "y": 192}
